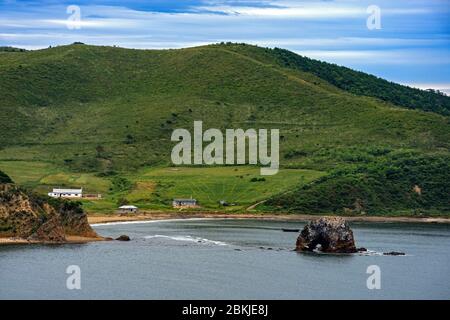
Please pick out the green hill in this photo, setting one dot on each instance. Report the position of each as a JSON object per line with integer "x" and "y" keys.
{"x": 11, "y": 49}
{"x": 96, "y": 113}
{"x": 408, "y": 184}
{"x": 364, "y": 84}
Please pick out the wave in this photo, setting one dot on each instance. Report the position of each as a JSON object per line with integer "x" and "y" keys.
{"x": 370, "y": 253}
{"x": 188, "y": 239}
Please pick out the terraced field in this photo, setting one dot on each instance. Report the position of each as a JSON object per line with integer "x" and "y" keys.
{"x": 154, "y": 188}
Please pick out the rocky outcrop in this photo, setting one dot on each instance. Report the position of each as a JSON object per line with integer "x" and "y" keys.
{"x": 29, "y": 216}
{"x": 330, "y": 235}
{"x": 74, "y": 220}
{"x": 394, "y": 253}
{"x": 123, "y": 238}
{"x": 49, "y": 231}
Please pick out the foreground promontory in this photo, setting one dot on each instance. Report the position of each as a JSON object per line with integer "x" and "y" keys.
{"x": 27, "y": 217}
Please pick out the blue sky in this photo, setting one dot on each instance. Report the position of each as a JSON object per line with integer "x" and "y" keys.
{"x": 412, "y": 46}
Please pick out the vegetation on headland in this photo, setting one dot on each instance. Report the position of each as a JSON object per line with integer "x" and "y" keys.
{"x": 11, "y": 49}
{"x": 411, "y": 184}
{"x": 364, "y": 84}
{"x": 4, "y": 178}
{"x": 34, "y": 217}
{"x": 101, "y": 118}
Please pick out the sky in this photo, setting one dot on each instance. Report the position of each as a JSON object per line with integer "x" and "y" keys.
{"x": 409, "y": 43}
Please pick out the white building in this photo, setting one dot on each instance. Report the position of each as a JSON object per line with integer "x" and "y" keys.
{"x": 184, "y": 203}
{"x": 66, "y": 193}
{"x": 128, "y": 209}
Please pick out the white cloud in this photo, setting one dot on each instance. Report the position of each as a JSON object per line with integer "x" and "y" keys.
{"x": 81, "y": 23}
{"x": 311, "y": 12}
{"x": 386, "y": 57}
{"x": 443, "y": 87}
{"x": 349, "y": 42}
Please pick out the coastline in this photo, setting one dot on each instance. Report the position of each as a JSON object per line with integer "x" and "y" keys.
{"x": 149, "y": 216}
{"x": 69, "y": 240}
{"x": 94, "y": 219}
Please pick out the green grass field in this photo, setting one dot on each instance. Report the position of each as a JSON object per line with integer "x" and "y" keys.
{"x": 41, "y": 177}
{"x": 154, "y": 188}
{"x": 101, "y": 118}
{"x": 209, "y": 185}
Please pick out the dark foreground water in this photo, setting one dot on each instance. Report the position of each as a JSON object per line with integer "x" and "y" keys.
{"x": 230, "y": 259}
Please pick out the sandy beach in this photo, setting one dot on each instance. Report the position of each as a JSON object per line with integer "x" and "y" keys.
{"x": 96, "y": 218}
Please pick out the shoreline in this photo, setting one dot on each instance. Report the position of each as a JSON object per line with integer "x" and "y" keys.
{"x": 153, "y": 216}
{"x": 69, "y": 240}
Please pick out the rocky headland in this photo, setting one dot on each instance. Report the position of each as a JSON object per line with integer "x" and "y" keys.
{"x": 28, "y": 217}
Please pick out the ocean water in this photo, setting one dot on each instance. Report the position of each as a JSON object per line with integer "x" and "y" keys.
{"x": 230, "y": 259}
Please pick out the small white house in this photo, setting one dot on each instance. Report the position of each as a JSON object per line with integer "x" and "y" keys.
{"x": 128, "y": 209}
{"x": 184, "y": 203}
{"x": 66, "y": 193}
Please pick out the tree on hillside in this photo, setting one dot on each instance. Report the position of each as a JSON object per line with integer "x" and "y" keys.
{"x": 4, "y": 178}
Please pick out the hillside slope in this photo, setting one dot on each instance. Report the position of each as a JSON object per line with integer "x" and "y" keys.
{"x": 403, "y": 184}
{"x": 356, "y": 82}
{"x": 104, "y": 109}
{"x": 97, "y": 107}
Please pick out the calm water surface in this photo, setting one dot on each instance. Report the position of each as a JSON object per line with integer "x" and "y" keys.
{"x": 230, "y": 259}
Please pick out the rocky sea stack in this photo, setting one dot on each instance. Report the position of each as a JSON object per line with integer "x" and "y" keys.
{"x": 39, "y": 218}
{"x": 329, "y": 235}
{"x": 123, "y": 238}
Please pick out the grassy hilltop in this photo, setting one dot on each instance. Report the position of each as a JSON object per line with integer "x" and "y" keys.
{"x": 101, "y": 118}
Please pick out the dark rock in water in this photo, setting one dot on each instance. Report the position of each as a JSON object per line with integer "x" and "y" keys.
{"x": 330, "y": 235}
{"x": 361, "y": 250}
{"x": 394, "y": 253}
{"x": 123, "y": 238}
